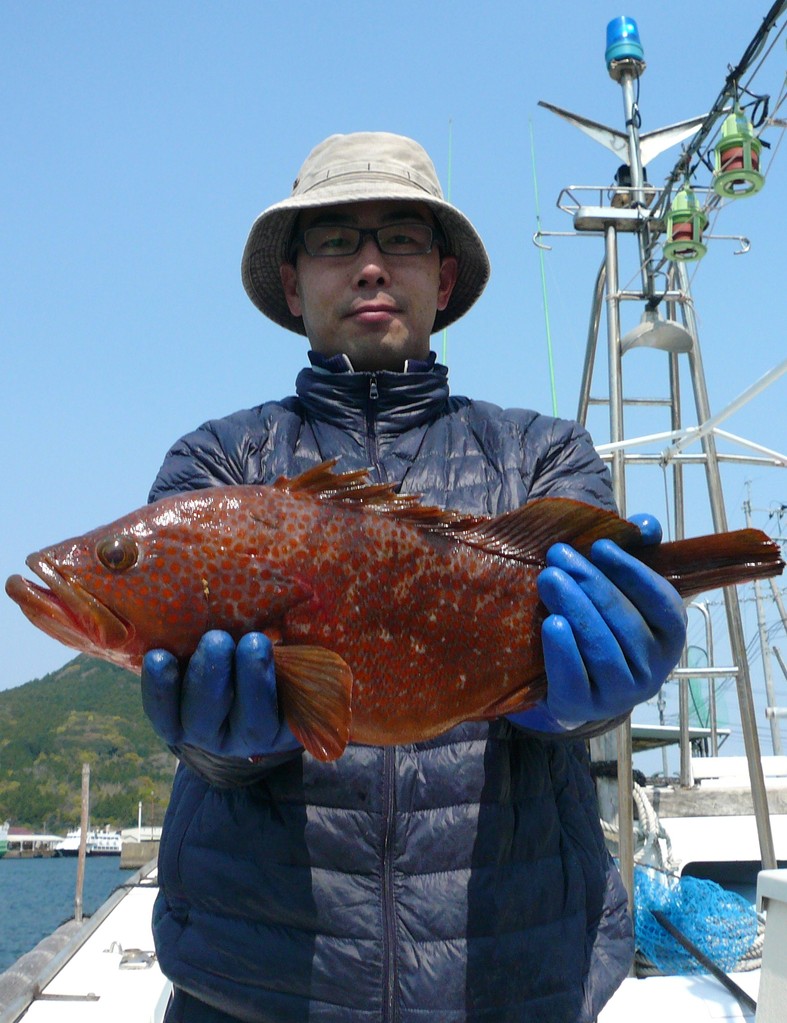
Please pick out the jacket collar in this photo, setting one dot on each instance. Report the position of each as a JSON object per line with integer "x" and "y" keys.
{"x": 394, "y": 401}
{"x": 341, "y": 363}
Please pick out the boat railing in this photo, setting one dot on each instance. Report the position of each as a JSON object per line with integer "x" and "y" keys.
{"x": 11, "y": 1012}
{"x": 595, "y": 208}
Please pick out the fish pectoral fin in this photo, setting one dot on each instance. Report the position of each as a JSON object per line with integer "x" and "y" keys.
{"x": 315, "y": 695}
{"x": 523, "y": 697}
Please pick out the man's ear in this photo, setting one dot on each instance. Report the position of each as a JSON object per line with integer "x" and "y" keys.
{"x": 449, "y": 269}
{"x": 289, "y": 282}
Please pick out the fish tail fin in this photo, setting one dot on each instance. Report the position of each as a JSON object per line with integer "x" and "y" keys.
{"x": 701, "y": 563}
{"x": 720, "y": 559}
{"x": 315, "y": 695}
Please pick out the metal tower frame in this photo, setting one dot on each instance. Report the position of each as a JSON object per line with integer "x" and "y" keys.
{"x": 636, "y": 208}
{"x": 675, "y": 344}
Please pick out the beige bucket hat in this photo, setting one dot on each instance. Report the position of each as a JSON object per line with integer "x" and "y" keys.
{"x": 355, "y": 168}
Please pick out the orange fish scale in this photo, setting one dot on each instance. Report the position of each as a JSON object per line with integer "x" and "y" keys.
{"x": 443, "y": 616}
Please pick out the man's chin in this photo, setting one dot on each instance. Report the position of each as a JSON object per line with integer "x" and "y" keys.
{"x": 382, "y": 358}
{"x": 384, "y": 352}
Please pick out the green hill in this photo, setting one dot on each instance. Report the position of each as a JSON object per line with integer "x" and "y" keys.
{"x": 86, "y": 712}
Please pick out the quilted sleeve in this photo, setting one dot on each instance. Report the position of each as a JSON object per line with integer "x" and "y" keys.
{"x": 566, "y": 464}
{"x": 229, "y": 451}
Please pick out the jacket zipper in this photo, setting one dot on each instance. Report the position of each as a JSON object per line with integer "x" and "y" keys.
{"x": 371, "y": 429}
{"x": 390, "y": 1014}
{"x": 389, "y": 978}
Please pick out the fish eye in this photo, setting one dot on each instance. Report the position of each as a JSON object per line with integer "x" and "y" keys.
{"x": 117, "y": 553}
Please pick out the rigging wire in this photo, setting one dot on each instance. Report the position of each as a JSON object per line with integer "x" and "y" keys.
{"x": 667, "y": 512}
{"x": 444, "y": 356}
{"x": 768, "y": 51}
{"x": 776, "y": 148}
{"x": 729, "y": 89}
{"x": 543, "y": 276}
{"x": 703, "y": 142}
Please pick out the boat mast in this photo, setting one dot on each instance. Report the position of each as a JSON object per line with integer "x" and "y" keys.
{"x": 632, "y": 206}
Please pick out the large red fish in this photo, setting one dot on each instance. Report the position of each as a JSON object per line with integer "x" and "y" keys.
{"x": 392, "y": 621}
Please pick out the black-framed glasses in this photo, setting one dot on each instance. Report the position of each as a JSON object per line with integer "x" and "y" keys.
{"x": 414, "y": 239}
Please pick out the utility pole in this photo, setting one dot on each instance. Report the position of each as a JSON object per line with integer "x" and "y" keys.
{"x": 85, "y": 817}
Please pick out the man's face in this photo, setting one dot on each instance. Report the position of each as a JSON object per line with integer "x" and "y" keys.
{"x": 377, "y": 309}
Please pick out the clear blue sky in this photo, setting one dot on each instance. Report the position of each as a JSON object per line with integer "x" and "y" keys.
{"x": 140, "y": 140}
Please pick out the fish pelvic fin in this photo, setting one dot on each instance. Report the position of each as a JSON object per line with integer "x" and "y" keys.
{"x": 720, "y": 559}
{"x": 315, "y": 696}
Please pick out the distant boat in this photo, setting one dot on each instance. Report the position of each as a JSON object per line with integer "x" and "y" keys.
{"x": 99, "y": 843}
{"x": 3, "y": 838}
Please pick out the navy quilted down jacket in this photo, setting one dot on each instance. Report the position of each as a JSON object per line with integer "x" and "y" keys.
{"x": 461, "y": 879}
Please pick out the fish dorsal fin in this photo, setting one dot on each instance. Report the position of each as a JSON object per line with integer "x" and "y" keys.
{"x": 348, "y": 487}
{"x": 526, "y": 533}
{"x": 355, "y": 488}
{"x": 320, "y": 481}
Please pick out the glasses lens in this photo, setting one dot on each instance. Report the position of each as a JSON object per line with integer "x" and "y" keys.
{"x": 393, "y": 240}
{"x": 331, "y": 240}
{"x": 405, "y": 239}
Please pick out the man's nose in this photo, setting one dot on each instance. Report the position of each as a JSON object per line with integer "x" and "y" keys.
{"x": 372, "y": 264}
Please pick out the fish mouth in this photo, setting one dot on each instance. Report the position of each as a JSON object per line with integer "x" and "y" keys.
{"x": 65, "y": 610}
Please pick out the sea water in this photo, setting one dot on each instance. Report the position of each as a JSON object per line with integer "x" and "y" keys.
{"x": 37, "y": 895}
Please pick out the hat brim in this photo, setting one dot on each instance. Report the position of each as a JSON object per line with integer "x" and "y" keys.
{"x": 269, "y": 238}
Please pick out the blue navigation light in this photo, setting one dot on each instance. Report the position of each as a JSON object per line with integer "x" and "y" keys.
{"x": 623, "y": 41}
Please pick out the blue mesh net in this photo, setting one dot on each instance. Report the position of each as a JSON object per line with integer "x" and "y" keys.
{"x": 722, "y": 924}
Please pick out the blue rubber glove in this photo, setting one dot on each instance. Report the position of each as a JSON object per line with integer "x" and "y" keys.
{"x": 615, "y": 631}
{"x": 224, "y": 702}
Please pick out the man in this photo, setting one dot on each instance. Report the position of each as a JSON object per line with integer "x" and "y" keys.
{"x": 461, "y": 879}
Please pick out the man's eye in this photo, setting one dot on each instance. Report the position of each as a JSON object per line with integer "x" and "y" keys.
{"x": 407, "y": 238}
{"x": 329, "y": 241}
{"x": 335, "y": 243}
